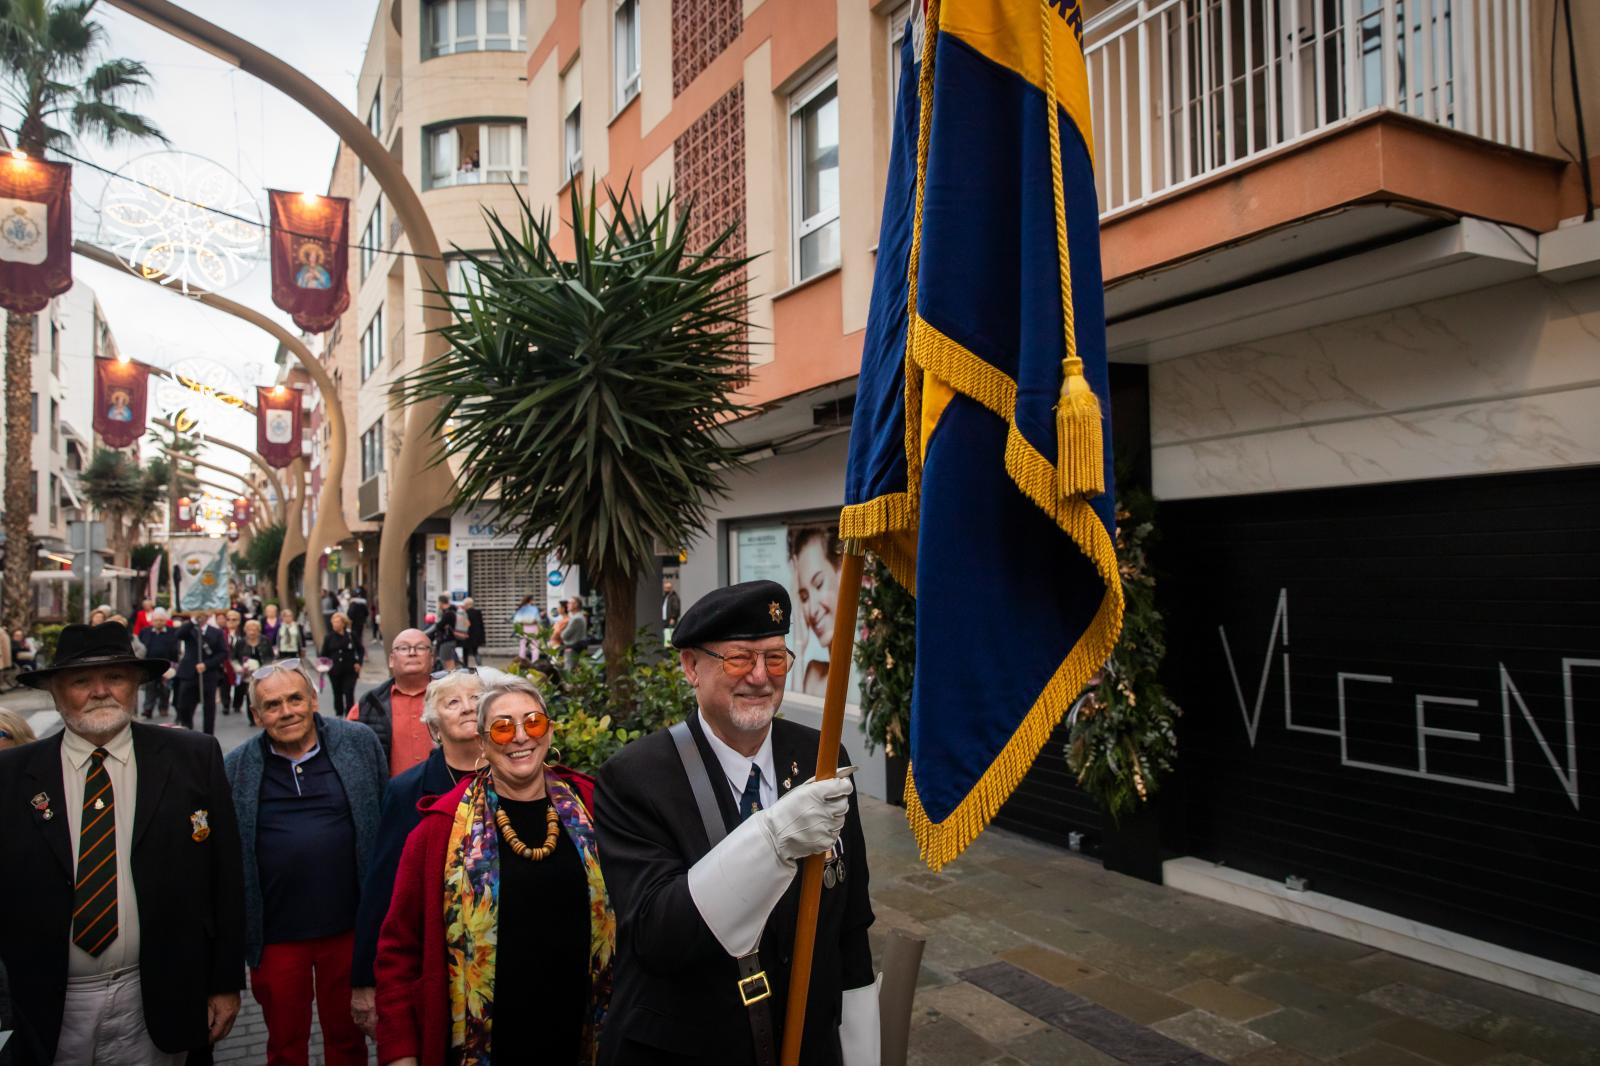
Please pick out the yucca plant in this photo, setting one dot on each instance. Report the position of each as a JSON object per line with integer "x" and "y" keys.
{"x": 585, "y": 399}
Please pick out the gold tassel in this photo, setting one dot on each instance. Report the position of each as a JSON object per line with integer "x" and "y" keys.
{"x": 1080, "y": 450}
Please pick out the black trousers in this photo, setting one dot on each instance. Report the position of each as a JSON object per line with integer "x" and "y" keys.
{"x": 189, "y": 691}
{"x": 344, "y": 693}
{"x": 157, "y": 696}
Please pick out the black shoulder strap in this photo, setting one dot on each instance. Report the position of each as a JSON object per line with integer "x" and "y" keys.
{"x": 694, "y": 764}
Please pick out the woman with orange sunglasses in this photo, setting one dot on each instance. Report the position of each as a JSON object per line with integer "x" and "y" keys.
{"x": 499, "y": 900}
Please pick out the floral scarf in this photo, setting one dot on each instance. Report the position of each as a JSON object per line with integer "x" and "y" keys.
{"x": 471, "y": 921}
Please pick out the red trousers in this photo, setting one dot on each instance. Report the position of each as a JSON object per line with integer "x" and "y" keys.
{"x": 283, "y": 985}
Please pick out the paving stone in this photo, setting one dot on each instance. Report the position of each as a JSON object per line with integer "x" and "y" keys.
{"x": 1227, "y": 1001}
{"x": 1130, "y": 1000}
{"x": 1051, "y": 1047}
{"x": 948, "y": 1043}
{"x": 1061, "y": 933}
{"x": 912, "y": 901}
{"x": 1432, "y": 1042}
{"x": 1214, "y": 1036}
{"x": 1276, "y": 1055}
{"x": 991, "y": 1018}
{"x": 1424, "y": 1004}
{"x": 1053, "y": 966}
{"x": 979, "y": 932}
{"x": 1311, "y": 1034}
{"x": 1381, "y": 1055}
{"x": 1291, "y": 991}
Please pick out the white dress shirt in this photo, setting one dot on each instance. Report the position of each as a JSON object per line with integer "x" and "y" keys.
{"x": 736, "y": 767}
{"x": 124, "y": 774}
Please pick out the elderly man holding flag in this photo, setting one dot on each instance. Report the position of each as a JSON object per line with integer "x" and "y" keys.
{"x": 981, "y": 439}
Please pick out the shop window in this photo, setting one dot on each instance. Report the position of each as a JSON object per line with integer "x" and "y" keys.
{"x": 473, "y": 153}
{"x": 814, "y": 158}
{"x": 451, "y": 26}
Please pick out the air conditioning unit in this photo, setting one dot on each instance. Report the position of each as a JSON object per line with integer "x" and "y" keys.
{"x": 372, "y": 498}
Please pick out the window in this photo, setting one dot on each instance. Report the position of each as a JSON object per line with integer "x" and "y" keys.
{"x": 33, "y": 412}
{"x": 372, "y": 238}
{"x": 372, "y": 451}
{"x": 625, "y": 50}
{"x": 473, "y": 153}
{"x": 55, "y": 499}
{"x": 472, "y": 26}
{"x": 375, "y": 112}
{"x": 55, "y": 426}
{"x": 814, "y": 156}
{"x": 899, "y": 26}
{"x": 572, "y": 120}
{"x": 372, "y": 345}
{"x": 55, "y": 348}
{"x": 33, "y": 492}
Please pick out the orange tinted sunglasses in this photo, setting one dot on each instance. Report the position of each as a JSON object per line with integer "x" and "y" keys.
{"x": 503, "y": 730}
{"x": 742, "y": 662}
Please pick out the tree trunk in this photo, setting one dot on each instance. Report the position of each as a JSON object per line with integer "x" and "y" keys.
{"x": 18, "y": 589}
{"x": 620, "y": 590}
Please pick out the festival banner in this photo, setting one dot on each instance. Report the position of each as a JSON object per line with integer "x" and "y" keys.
{"x": 185, "y": 515}
{"x": 980, "y": 452}
{"x": 310, "y": 257}
{"x": 206, "y": 569}
{"x": 120, "y": 389}
{"x": 278, "y": 425}
{"x": 35, "y": 232}
{"x": 242, "y": 510}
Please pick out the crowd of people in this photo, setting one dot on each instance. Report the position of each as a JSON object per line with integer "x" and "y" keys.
{"x": 420, "y": 868}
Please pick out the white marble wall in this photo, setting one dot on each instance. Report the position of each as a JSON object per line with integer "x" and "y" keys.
{"x": 1502, "y": 379}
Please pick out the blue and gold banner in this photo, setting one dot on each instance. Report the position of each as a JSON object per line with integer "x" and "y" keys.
{"x": 980, "y": 453}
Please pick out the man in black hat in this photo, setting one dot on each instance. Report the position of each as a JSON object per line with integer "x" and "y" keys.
{"x": 702, "y": 826}
{"x": 123, "y": 873}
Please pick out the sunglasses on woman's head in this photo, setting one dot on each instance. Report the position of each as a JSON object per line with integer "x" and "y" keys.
{"x": 503, "y": 730}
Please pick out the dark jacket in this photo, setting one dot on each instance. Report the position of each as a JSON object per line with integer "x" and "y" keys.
{"x": 374, "y": 712}
{"x": 161, "y": 644}
{"x": 345, "y": 652}
{"x": 208, "y": 645}
{"x": 675, "y": 1000}
{"x": 431, "y": 777}
{"x": 191, "y": 908}
{"x": 363, "y": 772}
{"x": 262, "y": 653}
{"x": 477, "y": 633}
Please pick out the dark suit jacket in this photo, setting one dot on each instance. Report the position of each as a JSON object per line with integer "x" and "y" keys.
{"x": 675, "y": 999}
{"x": 191, "y": 905}
{"x": 209, "y": 646}
{"x": 400, "y": 816}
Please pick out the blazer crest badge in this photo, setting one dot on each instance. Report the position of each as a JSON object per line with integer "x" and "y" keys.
{"x": 200, "y": 825}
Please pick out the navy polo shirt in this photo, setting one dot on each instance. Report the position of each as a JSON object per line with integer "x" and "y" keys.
{"x": 305, "y": 848}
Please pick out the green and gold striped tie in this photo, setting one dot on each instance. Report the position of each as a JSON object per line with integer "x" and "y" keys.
{"x": 94, "y": 901}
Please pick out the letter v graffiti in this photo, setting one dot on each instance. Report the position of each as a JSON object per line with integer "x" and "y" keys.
{"x": 1280, "y": 623}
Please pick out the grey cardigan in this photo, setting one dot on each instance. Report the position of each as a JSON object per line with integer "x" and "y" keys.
{"x": 363, "y": 770}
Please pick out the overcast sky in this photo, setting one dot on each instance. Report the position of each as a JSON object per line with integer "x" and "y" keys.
{"x": 208, "y": 108}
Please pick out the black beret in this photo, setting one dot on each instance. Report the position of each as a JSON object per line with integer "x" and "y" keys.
{"x": 749, "y": 611}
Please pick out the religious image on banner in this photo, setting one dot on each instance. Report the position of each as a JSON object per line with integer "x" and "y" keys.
{"x": 278, "y": 424}
{"x": 310, "y": 257}
{"x": 205, "y": 570}
{"x": 184, "y": 515}
{"x": 241, "y": 510}
{"x": 35, "y": 232}
{"x": 120, "y": 390}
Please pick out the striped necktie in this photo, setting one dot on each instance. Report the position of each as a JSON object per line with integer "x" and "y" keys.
{"x": 750, "y": 800}
{"x": 94, "y": 901}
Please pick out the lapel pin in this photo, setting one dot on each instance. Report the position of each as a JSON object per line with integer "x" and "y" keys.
{"x": 200, "y": 825}
{"x": 41, "y": 803}
{"x": 99, "y": 804}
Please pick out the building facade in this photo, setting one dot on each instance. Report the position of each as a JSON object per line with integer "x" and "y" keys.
{"x": 1353, "y": 298}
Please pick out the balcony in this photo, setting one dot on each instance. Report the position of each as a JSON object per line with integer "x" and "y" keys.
{"x": 372, "y": 498}
{"x": 1184, "y": 90}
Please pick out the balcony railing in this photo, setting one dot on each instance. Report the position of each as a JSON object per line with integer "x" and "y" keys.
{"x": 372, "y": 497}
{"x": 1183, "y": 89}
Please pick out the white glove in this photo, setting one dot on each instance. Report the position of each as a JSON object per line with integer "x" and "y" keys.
{"x": 740, "y": 880}
{"x": 859, "y": 1034}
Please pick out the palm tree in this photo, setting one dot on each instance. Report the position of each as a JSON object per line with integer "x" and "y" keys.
{"x": 51, "y": 80}
{"x": 124, "y": 494}
{"x": 586, "y": 399}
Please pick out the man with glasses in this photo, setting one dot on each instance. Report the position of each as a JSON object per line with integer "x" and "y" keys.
{"x": 702, "y": 827}
{"x": 307, "y": 791}
{"x": 393, "y": 710}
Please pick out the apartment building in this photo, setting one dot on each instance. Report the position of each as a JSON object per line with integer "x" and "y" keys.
{"x": 1353, "y": 308}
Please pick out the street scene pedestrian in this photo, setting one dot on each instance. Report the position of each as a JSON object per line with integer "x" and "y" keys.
{"x": 161, "y": 645}
{"x": 393, "y": 710}
{"x": 200, "y": 673}
{"x": 345, "y": 654}
{"x": 574, "y": 634}
{"x": 308, "y": 792}
{"x": 135, "y": 953}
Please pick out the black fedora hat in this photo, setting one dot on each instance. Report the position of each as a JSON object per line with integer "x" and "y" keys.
{"x": 106, "y": 644}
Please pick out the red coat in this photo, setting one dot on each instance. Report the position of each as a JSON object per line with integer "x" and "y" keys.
{"x": 413, "y": 994}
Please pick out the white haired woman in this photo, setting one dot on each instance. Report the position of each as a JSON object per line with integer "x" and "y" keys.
{"x": 499, "y": 899}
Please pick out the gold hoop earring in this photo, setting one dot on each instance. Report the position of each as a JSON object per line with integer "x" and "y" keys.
{"x": 553, "y": 750}
{"x": 479, "y": 764}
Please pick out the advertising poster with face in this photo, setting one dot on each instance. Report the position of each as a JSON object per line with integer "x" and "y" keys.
{"x": 805, "y": 557}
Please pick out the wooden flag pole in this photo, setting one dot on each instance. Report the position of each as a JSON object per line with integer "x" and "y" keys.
{"x": 805, "y": 929}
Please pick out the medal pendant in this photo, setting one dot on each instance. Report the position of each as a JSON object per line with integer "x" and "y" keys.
{"x": 829, "y": 876}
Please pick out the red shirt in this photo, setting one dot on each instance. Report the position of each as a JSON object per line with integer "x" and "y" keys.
{"x": 409, "y": 740}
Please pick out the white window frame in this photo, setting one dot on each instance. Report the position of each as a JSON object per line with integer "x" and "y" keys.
{"x": 572, "y": 141}
{"x": 372, "y": 239}
{"x": 899, "y": 26}
{"x": 515, "y": 174}
{"x": 813, "y": 87}
{"x": 372, "y": 345}
{"x": 516, "y": 24}
{"x": 375, "y": 112}
{"x": 625, "y": 82}
{"x": 372, "y": 449}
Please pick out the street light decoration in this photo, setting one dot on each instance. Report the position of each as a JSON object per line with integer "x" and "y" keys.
{"x": 35, "y": 232}
{"x": 121, "y": 387}
{"x": 278, "y": 425}
{"x": 310, "y": 257}
{"x": 181, "y": 220}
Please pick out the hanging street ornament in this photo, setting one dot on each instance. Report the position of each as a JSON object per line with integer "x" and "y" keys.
{"x": 195, "y": 376}
{"x": 182, "y": 220}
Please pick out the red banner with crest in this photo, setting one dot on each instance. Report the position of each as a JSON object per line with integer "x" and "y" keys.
{"x": 278, "y": 424}
{"x": 35, "y": 232}
{"x": 120, "y": 390}
{"x": 242, "y": 510}
{"x": 185, "y": 516}
{"x": 310, "y": 257}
